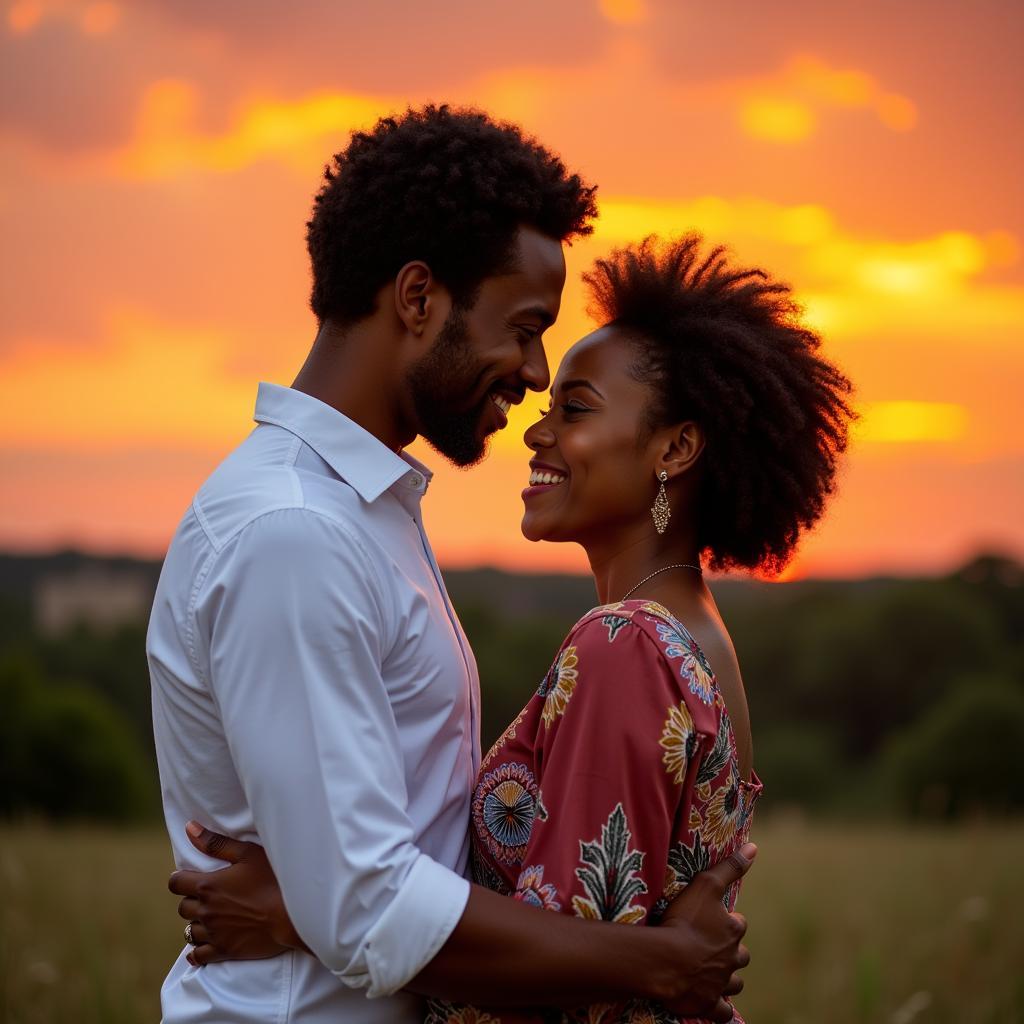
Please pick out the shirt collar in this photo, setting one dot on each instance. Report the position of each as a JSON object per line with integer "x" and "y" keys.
{"x": 361, "y": 459}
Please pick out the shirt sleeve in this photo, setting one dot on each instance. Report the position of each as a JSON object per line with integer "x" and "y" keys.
{"x": 297, "y": 626}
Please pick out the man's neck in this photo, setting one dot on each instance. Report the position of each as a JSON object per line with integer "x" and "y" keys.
{"x": 353, "y": 371}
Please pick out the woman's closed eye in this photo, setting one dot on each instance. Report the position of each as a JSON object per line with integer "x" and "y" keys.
{"x": 571, "y": 408}
{"x": 567, "y": 407}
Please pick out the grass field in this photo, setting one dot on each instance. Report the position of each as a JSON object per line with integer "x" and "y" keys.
{"x": 848, "y": 925}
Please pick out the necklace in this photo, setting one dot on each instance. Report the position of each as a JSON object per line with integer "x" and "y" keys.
{"x": 676, "y": 565}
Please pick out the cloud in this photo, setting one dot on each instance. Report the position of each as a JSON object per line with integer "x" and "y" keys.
{"x": 624, "y": 12}
{"x": 119, "y": 499}
{"x": 907, "y": 421}
{"x": 167, "y": 142}
{"x": 830, "y": 252}
{"x": 92, "y": 18}
{"x": 787, "y": 107}
{"x": 24, "y": 16}
{"x": 391, "y": 48}
{"x": 922, "y": 513}
{"x": 777, "y": 119}
{"x": 149, "y": 382}
{"x": 175, "y": 131}
{"x": 70, "y": 84}
{"x": 849, "y": 281}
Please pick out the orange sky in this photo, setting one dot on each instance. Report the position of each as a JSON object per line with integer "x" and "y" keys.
{"x": 158, "y": 158}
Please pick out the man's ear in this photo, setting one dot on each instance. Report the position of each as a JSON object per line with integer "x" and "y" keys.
{"x": 680, "y": 449}
{"x": 418, "y": 298}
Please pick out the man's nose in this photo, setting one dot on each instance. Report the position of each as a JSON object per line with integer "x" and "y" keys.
{"x": 534, "y": 372}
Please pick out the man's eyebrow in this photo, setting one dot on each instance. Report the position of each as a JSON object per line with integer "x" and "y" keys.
{"x": 539, "y": 312}
{"x": 568, "y": 385}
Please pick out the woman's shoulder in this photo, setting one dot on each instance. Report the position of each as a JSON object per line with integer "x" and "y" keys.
{"x": 648, "y": 632}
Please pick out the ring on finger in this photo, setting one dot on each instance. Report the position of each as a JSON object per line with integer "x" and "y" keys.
{"x": 188, "y": 934}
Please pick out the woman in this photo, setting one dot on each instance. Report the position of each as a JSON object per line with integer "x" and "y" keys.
{"x": 699, "y": 422}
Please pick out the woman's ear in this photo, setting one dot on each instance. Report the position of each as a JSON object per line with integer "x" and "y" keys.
{"x": 681, "y": 449}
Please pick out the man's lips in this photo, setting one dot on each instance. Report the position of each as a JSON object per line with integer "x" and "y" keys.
{"x": 502, "y": 399}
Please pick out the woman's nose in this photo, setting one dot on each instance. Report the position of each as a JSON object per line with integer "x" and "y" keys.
{"x": 539, "y": 435}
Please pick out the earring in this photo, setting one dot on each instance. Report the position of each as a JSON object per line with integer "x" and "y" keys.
{"x": 660, "y": 510}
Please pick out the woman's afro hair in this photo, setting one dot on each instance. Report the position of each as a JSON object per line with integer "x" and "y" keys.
{"x": 724, "y": 346}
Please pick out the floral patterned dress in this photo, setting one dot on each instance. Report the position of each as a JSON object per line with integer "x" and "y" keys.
{"x": 615, "y": 785}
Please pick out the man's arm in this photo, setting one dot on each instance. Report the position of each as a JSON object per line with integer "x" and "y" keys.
{"x": 297, "y": 623}
{"x": 688, "y": 962}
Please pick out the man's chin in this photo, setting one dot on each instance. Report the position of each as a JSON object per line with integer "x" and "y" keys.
{"x": 466, "y": 462}
{"x": 463, "y": 438}
{"x": 462, "y": 453}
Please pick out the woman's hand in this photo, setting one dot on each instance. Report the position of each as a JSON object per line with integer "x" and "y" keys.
{"x": 236, "y": 913}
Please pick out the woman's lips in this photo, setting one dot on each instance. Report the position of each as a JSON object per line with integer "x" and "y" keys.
{"x": 544, "y": 478}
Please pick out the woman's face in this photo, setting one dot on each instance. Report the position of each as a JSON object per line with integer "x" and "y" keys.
{"x": 593, "y": 465}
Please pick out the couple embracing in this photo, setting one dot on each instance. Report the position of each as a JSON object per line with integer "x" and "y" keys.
{"x": 315, "y": 700}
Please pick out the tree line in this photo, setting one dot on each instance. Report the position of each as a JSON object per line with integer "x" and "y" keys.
{"x": 873, "y": 697}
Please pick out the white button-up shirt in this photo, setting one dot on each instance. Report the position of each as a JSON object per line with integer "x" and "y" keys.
{"x": 314, "y": 692}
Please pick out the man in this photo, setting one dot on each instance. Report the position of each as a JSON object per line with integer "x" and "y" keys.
{"x": 312, "y": 689}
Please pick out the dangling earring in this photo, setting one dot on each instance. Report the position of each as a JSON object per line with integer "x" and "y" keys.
{"x": 660, "y": 510}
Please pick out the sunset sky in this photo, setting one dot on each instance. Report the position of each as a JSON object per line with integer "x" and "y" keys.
{"x": 158, "y": 159}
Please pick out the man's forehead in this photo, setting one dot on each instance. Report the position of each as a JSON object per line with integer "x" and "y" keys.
{"x": 528, "y": 290}
{"x": 539, "y": 260}
{"x": 534, "y": 311}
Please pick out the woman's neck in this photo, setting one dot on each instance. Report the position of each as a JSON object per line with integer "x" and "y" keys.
{"x": 619, "y": 563}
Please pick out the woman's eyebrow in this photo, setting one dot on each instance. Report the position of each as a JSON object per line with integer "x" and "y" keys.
{"x": 568, "y": 385}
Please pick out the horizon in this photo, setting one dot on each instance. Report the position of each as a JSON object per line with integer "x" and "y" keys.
{"x": 981, "y": 555}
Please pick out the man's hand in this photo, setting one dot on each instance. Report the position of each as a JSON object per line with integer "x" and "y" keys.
{"x": 237, "y": 913}
{"x": 709, "y": 940}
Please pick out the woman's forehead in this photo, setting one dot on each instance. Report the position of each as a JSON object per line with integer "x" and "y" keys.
{"x": 606, "y": 353}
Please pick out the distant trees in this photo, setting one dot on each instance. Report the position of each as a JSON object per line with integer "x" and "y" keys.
{"x": 868, "y": 697}
{"x": 66, "y": 752}
{"x": 963, "y": 755}
{"x": 513, "y": 656}
{"x": 875, "y": 696}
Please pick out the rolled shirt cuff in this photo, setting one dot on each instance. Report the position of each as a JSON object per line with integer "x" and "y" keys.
{"x": 409, "y": 934}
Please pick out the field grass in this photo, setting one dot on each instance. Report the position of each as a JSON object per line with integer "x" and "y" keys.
{"x": 848, "y": 925}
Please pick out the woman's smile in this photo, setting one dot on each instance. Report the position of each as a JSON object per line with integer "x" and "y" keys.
{"x": 544, "y": 477}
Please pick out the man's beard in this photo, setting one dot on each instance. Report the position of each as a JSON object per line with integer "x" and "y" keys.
{"x": 438, "y": 382}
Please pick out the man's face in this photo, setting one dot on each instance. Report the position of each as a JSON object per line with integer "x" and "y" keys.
{"x": 485, "y": 358}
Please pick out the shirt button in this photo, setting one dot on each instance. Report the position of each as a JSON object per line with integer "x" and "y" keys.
{"x": 415, "y": 480}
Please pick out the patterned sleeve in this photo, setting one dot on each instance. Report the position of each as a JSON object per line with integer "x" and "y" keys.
{"x": 629, "y": 760}
{"x": 616, "y": 756}
{"x": 636, "y": 764}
